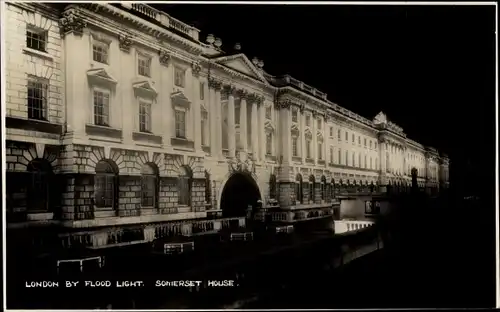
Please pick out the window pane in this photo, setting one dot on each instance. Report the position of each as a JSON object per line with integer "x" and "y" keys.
{"x": 37, "y": 98}
{"x": 36, "y": 39}
{"x": 101, "y": 108}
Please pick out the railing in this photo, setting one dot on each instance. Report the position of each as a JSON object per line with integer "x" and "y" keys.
{"x": 165, "y": 19}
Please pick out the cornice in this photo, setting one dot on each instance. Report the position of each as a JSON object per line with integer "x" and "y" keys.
{"x": 44, "y": 8}
{"x": 143, "y": 26}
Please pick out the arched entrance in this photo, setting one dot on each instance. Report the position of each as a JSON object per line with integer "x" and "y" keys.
{"x": 239, "y": 192}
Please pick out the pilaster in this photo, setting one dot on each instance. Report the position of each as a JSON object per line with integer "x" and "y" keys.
{"x": 243, "y": 120}
{"x": 261, "y": 131}
{"x": 231, "y": 121}
{"x": 303, "y": 134}
{"x": 254, "y": 127}
{"x": 195, "y": 70}
{"x": 78, "y": 110}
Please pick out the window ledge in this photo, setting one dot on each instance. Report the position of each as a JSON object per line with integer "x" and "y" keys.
{"x": 181, "y": 142}
{"x": 147, "y": 137}
{"x": 42, "y": 54}
{"x": 105, "y": 131}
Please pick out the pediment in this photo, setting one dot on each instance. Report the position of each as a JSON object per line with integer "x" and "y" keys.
{"x": 100, "y": 75}
{"x": 269, "y": 126}
{"x": 241, "y": 64}
{"x": 180, "y": 100}
{"x": 381, "y": 118}
{"x": 145, "y": 87}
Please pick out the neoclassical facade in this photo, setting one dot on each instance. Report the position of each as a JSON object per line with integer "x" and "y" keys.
{"x": 119, "y": 118}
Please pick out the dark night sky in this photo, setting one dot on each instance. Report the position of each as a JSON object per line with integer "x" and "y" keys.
{"x": 431, "y": 69}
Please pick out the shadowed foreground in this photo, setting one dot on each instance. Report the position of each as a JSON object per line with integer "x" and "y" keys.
{"x": 440, "y": 256}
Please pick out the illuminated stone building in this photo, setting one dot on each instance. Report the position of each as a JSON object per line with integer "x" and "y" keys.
{"x": 119, "y": 117}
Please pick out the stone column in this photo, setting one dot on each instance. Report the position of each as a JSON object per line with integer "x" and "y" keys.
{"x": 286, "y": 138}
{"x": 382, "y": 147}
{"x": 243, "y": 120}
{"x": 197, "y": 108}
{"x": 303, "y": 134}
{"x": 231, "y": 144}
{"x": 262, "y": 127}
{"x": 314, "y": 149}
{"x": 254, "y": 128}
{"x": 212, "y": 84}
{"x": 78, "y": 105}
{"x": 218, "y": 107}
{"x": 326, "y": 141}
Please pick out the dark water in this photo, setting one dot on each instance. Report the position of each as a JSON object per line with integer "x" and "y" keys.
{"x": 441, "y": 257}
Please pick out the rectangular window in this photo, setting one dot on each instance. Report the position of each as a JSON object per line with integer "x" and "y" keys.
{"x": 308, "y": 149}
{"x": 294, "y": 115}
{"x": 179, "y": 77}
{"x": 359, "y": 161}
{"x": 359, "y": 140}
{"x": 365, "y": 162}
{"x": 268, "y": 112}
{"x": 144, "y": 117}
{"x": 180, "y": 124}
{"x": 365, "y": 142}
{"x": 100, "y": 52}
{"x": 308, "y": 121}
{"x": 104, "y": 191}
{"x": 338, "y": 135}
{"x": 354, "y": 159}
{"x": 371, "y": 165}
{"x": 331, "y": 132}
{"x": 331, "y": 155}
{"x": 320, "y": 151}
{"x": 347, "y": 137}
{"x": 36, "y": 38}
{"x": 370, "y": 143}
{"x": 320, "y": 124}
{"x": 148, "y": 191}
{"x": 202, "y": 91}
{"x": 339, "y": 160}
{"x": 269, "y": 143}
{"x": 346, "y": 158}
{"x": 37, "y": 98}
{"x": 295, "y": 150}
{"x": 144, "y": 63}
{"x": 353, "y": 138}
{"x": 101, "y": 108}
{"x": 204, "y": 130}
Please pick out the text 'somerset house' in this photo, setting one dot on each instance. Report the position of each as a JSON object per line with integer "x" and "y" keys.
{"x": 119, "y": 118}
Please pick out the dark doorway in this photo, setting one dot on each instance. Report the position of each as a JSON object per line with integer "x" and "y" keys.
{"x": 239, "y": 192}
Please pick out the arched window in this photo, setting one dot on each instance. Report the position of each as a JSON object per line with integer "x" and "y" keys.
{"x": 105, "y": 185}
{"x": 149, "y": 185}
{"x": 323, "y": 188}
{"x": 208, "y": 190}
{"x": 311, "y": 188}
{"x": 299, "y": 194}
{"x": 272, "y": 186}
{"x": 38, "y": 195}
{"x": 185, "y": 181}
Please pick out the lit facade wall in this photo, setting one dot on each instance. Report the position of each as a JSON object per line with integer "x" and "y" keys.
{"x": 132, "y": 103}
